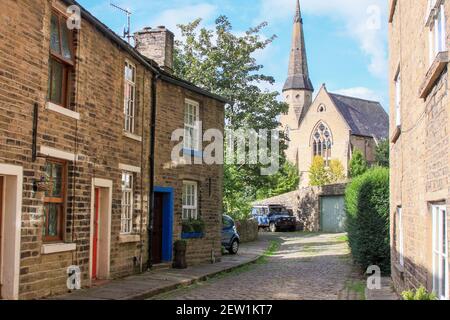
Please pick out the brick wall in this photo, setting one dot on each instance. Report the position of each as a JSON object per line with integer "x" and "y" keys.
{"x": 420, "y": 159}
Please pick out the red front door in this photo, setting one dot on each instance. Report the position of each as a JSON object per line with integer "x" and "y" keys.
{"x": 95, "y": 239}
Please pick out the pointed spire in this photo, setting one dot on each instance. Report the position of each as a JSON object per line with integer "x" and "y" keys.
{"x": 298, "y": 76}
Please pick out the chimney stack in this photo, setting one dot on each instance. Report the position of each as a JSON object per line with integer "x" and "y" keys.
{"x": 156, "y": 44}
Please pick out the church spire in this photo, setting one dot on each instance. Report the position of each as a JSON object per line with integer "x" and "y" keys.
{"x": 298, "y": 76}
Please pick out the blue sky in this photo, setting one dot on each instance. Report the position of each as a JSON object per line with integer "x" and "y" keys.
{"x": 346, "y": 40}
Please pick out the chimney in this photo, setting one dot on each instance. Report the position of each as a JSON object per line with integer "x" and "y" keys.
{"x": 156, "y": 44}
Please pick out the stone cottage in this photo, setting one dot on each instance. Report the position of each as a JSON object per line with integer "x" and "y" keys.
{"x": 85, "y": 142}
{"x": 420, "y": 144}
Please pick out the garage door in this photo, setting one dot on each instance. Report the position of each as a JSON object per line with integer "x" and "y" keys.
{"x": 332, "y": 214}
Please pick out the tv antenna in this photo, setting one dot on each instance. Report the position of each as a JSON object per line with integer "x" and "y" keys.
{"x": 127, "y": 30}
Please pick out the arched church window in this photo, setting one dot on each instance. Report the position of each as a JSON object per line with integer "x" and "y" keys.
{"x": 322, "y": 142}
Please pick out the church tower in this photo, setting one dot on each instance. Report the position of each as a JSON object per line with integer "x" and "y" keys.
{"x": 298, "y": 89}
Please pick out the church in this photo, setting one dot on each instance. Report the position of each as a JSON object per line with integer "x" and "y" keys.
{"x": 330, "y": 125}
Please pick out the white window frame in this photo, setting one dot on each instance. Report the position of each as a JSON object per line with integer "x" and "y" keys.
{"x": 190, "y": 200}
{"x": 437, "y": 33}
{"x": 398, "y": 98}
{"x": 191, "y": 125}
{"x": 127, "y": 213}
{"x": 440, "y": 251}
{"x": 129, "y": 108}
{"x": 400, "y": 237}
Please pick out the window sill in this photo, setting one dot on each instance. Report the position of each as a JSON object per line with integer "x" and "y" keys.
{"x": 397, "y": 134}
{"x": 192, "y": 153}
{"x": 132, "y": 136}
{"x": 129, "y": 238}
{"x": 433, "y": 74}
{"x": 58, "y": 248}
{"x": 61, "y": 110}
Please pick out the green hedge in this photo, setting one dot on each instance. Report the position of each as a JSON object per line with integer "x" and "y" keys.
{"x": 367, "y": 207}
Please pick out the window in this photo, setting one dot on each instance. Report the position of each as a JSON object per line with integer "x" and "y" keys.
{"x": 191, "y": 125}
{"x": 54, "y": 201}
{"x": 321, "y": 108}
{"x": 437, "y": 35}
{"x": 399, "y": 237}
{"x": 130, "y": 97}
{"x": 322, "y": 142}
{"x": 190, "y": 200}
{"x": 227, "y": 223}
{"x": 127, "y": 203}
{"x": 440, "y": 252}
{"x": 61, "y": 61}
{"x": 398, "y": 99}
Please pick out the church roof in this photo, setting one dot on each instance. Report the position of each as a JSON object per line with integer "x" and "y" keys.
{"x": 365, "y": 117}
{"x": 298, "y": 75}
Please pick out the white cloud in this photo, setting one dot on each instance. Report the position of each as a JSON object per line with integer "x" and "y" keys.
{"x": 360, "y": 92}
{"x": 363, "y": 20}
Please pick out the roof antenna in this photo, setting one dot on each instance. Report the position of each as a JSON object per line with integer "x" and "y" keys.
{"x": 127, "y": 30}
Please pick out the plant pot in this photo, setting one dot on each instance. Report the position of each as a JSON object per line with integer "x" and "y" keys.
{"x": 43, "y": 186}
{"x": 179, "y": 261}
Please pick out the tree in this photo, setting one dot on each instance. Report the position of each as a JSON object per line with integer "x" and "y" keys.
{"x": 318, "y": 175}
{"x": 336, "y": 171}
{"x": 224, "y": 63}
{"x": 358, "y": 164}
{"x": 382, "y": 153}
{"x": 286, "y": 180}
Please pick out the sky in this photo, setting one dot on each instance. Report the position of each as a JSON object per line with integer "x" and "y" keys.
{"x": 346, "y": 40}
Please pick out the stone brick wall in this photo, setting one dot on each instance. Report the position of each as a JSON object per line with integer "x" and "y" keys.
{"x": 98, "y": 145}
{"x": 305, "y": 204}
{"x": 420, "y": 158}
{"x": 247, "y": 230}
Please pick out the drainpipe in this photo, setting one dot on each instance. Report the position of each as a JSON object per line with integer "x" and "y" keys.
{"x": 151, "y": 202}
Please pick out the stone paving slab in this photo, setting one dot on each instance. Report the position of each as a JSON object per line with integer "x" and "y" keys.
{"x": 385, "y": 293}
{"x": 149, "y": 284}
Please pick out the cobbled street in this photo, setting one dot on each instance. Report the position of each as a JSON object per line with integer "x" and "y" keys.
{"x": 305, "y": 267}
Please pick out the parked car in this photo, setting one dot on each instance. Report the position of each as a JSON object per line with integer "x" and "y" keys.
{"x": 261, "y": 214}
{"x": 282, "y": 221}
{"x": 230, "y": 236}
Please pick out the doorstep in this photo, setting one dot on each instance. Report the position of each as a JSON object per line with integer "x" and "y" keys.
{"x": 155, "y": 282}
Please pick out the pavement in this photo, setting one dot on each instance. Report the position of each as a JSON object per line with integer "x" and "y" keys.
{"x": 149, "y": 284}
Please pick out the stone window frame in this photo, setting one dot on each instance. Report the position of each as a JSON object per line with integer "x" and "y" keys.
{"x": 440, "y": 238}
{"x": 67, "y": 64}
{"x": 318, "y": 142}
{"x": 190, "y": 206}
{"x": 129, "y": 100}
{"x": 127, "y": 204}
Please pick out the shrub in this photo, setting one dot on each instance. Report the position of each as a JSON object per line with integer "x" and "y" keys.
{"x": 367, "y": 207}
{"x": 193, "y": 225}
{"x": 419, "y": 294}
{"x": 358, "y": 164}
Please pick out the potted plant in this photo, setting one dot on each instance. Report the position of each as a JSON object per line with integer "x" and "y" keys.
{"x": 45, "y": 184}
{"x": 193, "y": 229}
{"x": 179, "y": 248}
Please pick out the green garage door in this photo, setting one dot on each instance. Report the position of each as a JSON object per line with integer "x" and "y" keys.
{"x": 332, "y": 214}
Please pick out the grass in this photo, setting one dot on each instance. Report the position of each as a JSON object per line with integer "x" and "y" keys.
{"x": 272, "y": 249}
{"x": 343, "y": 238}
{"x": 358, "y": 287}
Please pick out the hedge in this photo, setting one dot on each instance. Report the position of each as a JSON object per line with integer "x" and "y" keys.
{"x": 367, "y": 207}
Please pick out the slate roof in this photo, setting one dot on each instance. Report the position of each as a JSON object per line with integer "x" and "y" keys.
{"x": 365, "y": 117}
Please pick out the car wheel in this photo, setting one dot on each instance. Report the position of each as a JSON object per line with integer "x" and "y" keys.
{"x": 273, "y": 227}
{"x": 234, "y": 247}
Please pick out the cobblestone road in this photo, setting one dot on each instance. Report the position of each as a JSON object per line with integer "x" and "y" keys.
{"x": 306, "y": 267}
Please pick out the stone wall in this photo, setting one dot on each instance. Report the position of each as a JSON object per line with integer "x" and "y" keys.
{"x": 248, "y": 230}
{"x": 420, "y": 157}
{"x": 305, "y": 204}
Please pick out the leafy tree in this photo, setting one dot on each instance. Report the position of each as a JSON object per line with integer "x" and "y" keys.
{"x": 224, "y": 63}
{"x": 382, "y": 153}
{"x": 358, "y": 164}
{"x": 286, "y": 180}
{"x": 318, "y": 175}
{"x": 336, "y": 171}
